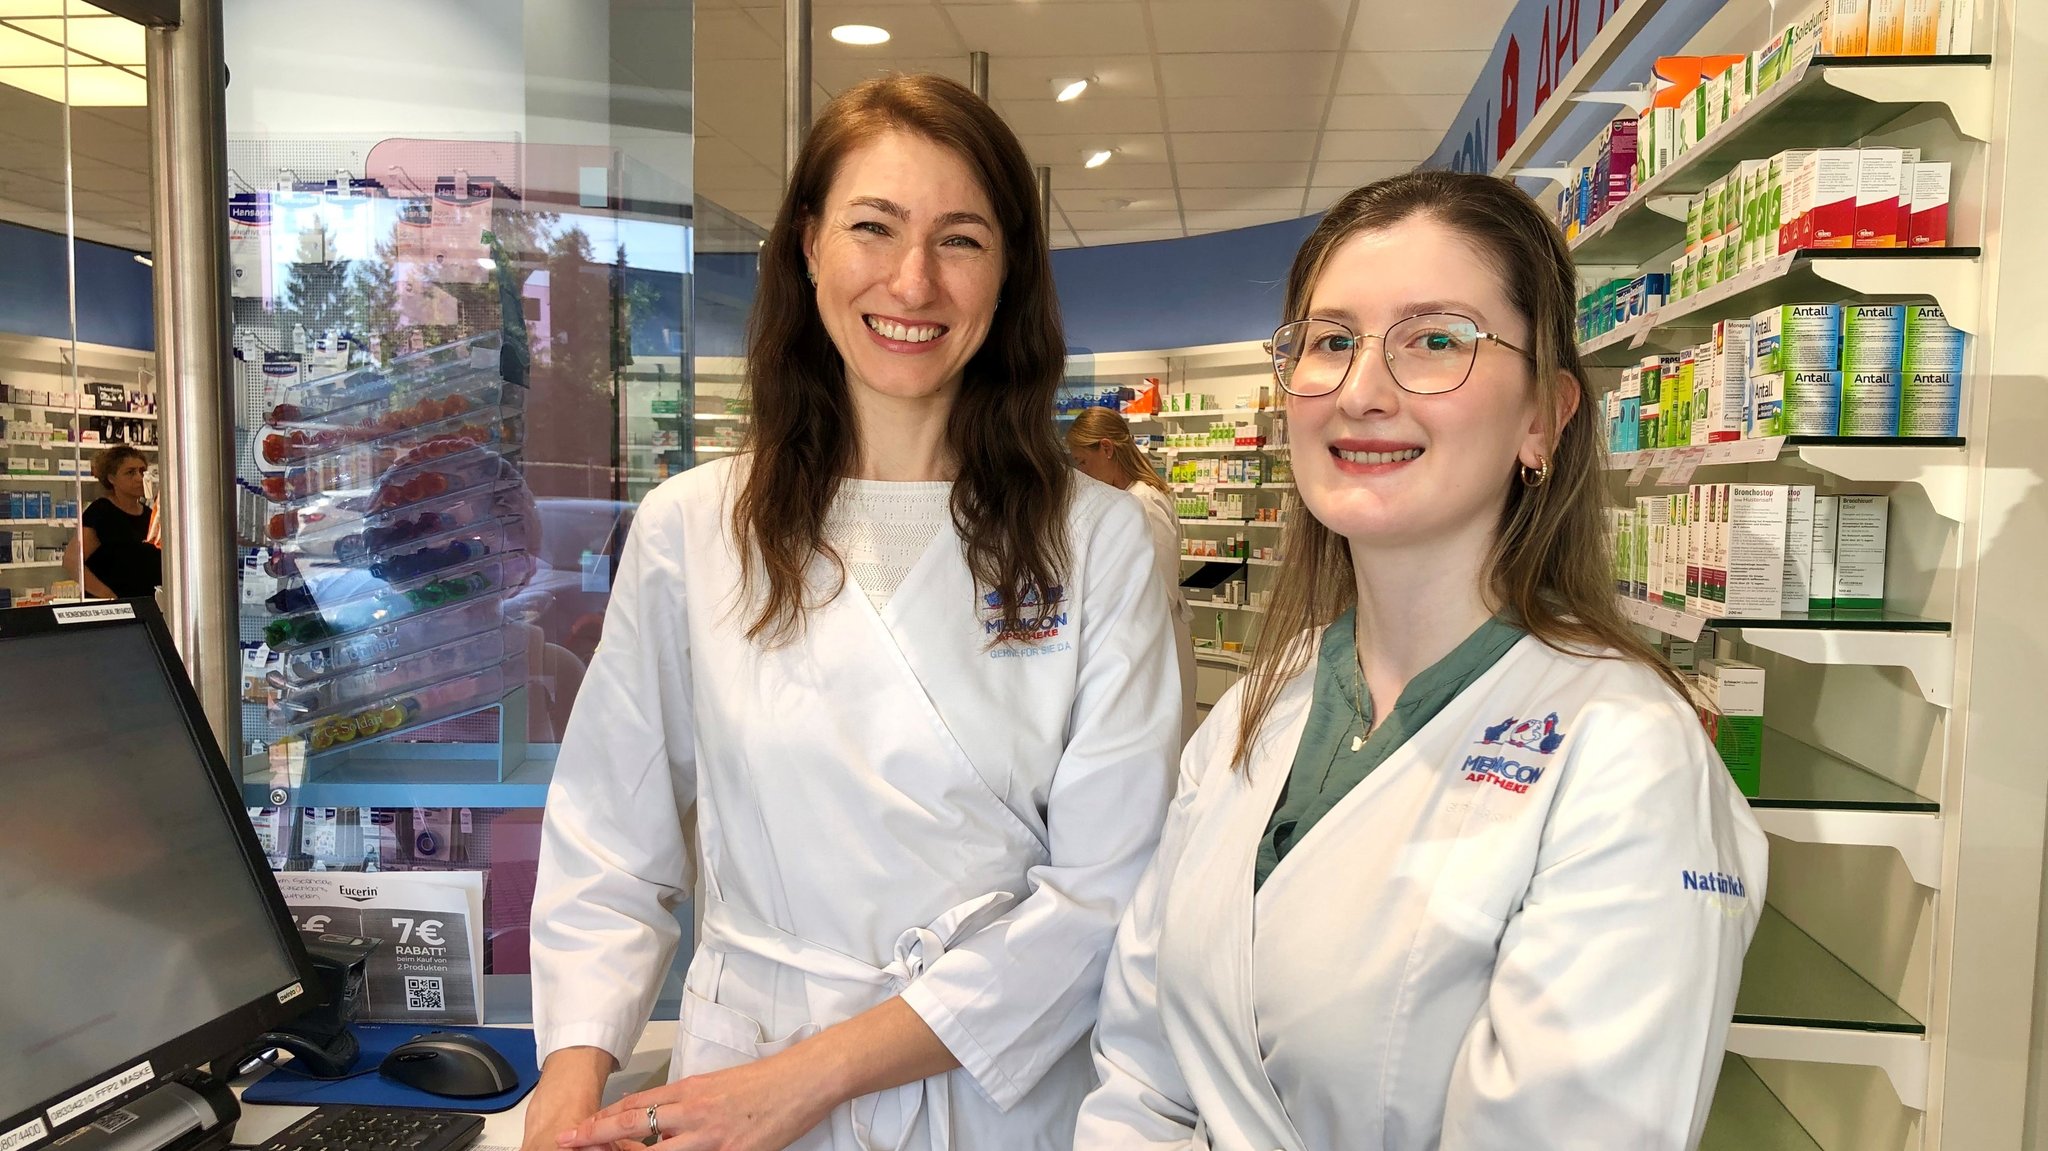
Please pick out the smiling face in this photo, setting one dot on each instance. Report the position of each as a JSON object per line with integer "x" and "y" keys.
{"x": 1382, "y": 466}
{"x": 908, "y": 262}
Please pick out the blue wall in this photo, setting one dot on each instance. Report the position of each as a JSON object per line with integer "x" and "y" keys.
{"x": 1211, "y": 289}
{"x": 113, "y": 290}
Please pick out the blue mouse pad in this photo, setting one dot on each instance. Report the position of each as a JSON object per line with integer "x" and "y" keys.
{"x": 282, "y": 1085}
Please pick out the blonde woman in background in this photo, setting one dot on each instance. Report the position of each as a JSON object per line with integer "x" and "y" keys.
{"x": 1101, "y": 444}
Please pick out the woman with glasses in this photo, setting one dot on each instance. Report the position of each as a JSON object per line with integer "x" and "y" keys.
{"x": 1103, "y": 450}
{"x": 1457, "y": 867}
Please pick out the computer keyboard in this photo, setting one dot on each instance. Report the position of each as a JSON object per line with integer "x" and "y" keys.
{"x": 342, "y": 1128}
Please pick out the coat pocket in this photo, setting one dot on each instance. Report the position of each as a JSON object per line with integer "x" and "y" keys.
{"x": 712, "y": 1037}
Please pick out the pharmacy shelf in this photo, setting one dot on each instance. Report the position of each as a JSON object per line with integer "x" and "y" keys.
{"x": 1847, "y": 637}
{"x": 1538, "y": 150}
{"x": 708, "y": 417}
{"x": 1790, "y": 980}
{"x": 1747, "y": 1116}
{"x": 1236, "y": 659}
{"x": 22, "y": 567}
{"x": 64, "y": 411}
{"x": 1218, "y": 451}
{"x": 1257, "y": 563}
{"x": 409, "y": 778}
{"x": 1209, "y": 605}
{"x": 1208, "y": 522}
{"x": 1825, "y": 102}
{"x": 1817, "y": 797}
{"x": 1949, "y": 276}
{"x": 1281, "y": 487}
{"x": 41, "y": 478}
{"x": 7, "y": 525}
{"x": 1937, "y": 465}
{"x": 1902, "y": 1057}
{"x": 1213, "y": 413}
{"x": 709, "y": 449}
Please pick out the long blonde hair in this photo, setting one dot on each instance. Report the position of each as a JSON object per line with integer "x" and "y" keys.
{"x": 1550, "y": 567}
{"x": 1104, "y": 426}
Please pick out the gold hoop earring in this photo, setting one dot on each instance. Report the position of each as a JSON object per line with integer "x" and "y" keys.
{"x": 1536, "y": 477}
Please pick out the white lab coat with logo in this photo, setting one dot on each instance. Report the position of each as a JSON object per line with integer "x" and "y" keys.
{"x": 887, "y": 806}
{"x": 1523, "y": 930}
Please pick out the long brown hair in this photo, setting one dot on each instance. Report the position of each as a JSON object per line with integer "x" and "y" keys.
{"x": 1010, "y": 496}
{"x": 1100, "y": 425}
{"x": 1549, "y": 567}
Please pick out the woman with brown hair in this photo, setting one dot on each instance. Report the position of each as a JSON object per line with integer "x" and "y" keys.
{"x": 911, "y": 684}
{"x": 1457, "y": 867}
{"x": 115, "y": 553}
{"x": 1104, "y": 450}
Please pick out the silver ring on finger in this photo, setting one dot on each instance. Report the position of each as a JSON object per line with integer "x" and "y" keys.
{"x": 653, "y": 1124}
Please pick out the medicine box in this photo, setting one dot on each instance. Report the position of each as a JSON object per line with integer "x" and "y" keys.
{"x": 1798, "y": 589}
{"x": 1859, "y": 551}
{"x": 1756, "y": 551}
{"x": 1731, "y": 702}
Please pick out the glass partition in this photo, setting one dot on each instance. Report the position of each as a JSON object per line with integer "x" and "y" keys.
{"x": 77, "y": 369}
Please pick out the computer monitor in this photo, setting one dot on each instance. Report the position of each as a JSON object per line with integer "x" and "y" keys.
{"x": 144, "y": 935}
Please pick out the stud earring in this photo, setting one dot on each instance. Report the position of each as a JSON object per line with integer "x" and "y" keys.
{"x": 811, "y": 274}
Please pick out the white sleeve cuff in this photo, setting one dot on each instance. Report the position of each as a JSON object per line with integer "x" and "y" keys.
{"x": 1001, "y": 1090}
{"x": 612, "y": 1038}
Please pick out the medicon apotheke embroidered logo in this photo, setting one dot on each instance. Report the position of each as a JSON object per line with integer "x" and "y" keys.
{"x": 1041, "y": 616}
{"x": 1538, "y": 735}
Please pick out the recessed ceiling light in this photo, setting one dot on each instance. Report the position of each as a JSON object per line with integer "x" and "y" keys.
{"x": 861, "y": 34}
{"x": 1098, "y": 159}
{"x": 1069, "y": 90}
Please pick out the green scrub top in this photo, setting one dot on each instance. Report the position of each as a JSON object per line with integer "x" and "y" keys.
{"x": 1331, "y": 760}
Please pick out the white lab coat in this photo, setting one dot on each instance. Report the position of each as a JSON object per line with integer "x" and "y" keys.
{"x": 1164, "y": 520}
{"x": 1516, "y": 932}
{"x": 887, "y": 806}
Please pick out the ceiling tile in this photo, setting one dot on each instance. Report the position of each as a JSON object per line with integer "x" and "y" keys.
{"x": 1440, "y": 25}
{"x": 1111, "y": 177}
{"x": 1243, "y": 175}
{"x": 1143, "y": 148}
{"x": 1237, "y": 25}
{"x": 1436, "y": 73}
{"x": 1245, "y": 113}
{"x": 1127, "y": 236}
{"x": 1247, "y": 73}
{"x": 838, "y": 74}
{"x": 726, "y": 35}
{"x": 1379, "y": 145}
{"x": 1045, "y": 117}
{"x": 1387, "y": 110}
{"x": 1354, "y": 173}
{"x": 1127, "y": 218}
{"x": 1226, "y": 218}
{"x": 1261, "y": 199}
{"x": 1116, "y": 200}
{"x": 1013, "y": 77}
{"x": 1111, "y": 27}
{"x": 1225, "y": 147}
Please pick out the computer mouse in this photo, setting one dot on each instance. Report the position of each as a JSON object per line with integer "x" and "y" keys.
{"x": 449, "y": 1063}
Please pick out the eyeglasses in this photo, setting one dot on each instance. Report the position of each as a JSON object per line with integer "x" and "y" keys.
{"x": 1427, "y": 354}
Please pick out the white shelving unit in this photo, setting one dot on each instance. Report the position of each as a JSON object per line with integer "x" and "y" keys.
{"x": 1880, "y": 1010}
{"x": 41, "y": 364}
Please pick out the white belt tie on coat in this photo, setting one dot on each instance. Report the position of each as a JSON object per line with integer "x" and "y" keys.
{"x": 727, "y": 927}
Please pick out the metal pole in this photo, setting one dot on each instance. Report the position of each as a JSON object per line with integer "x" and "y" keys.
{"x": 977, "y": 73}
{"x": 796, "y": 81}
{"x": 1045, "y": 197}
{"x": 188, "y": 159}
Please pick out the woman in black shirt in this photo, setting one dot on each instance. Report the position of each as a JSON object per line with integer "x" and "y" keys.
{"x": 118, "y": 560}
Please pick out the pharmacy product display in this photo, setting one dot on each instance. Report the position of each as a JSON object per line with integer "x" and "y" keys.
{"x": 1825, "y": 370}
{"x": 399, "y": 523}
{"x": 59, "y": 406}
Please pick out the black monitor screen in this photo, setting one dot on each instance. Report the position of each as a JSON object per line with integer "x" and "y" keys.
{"x": 132, "y": 916}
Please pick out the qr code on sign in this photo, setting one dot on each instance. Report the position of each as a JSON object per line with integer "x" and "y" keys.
{"x": 423, "y": 993}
